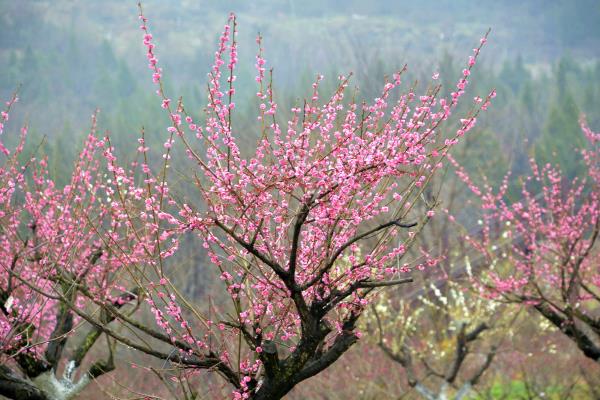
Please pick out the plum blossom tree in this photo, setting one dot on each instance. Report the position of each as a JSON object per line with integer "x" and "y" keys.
{"x": 542, "y": 250}
{"x": 61, "y": 254}
{"x": 339, "y": 180}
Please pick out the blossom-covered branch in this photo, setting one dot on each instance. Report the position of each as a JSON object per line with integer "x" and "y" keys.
{"x": 542, "y": 250}
{"x": 305, "y": 226}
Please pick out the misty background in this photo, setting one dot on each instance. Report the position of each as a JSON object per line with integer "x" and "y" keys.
{"x": 71, "y": 57}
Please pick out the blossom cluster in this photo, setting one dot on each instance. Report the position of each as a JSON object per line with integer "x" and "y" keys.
{"x": 338, "y": 180}
{"x": 542, "y": 247}
{"x": 66, "y": 249}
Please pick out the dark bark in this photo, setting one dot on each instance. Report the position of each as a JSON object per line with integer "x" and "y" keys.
{"x": 58, "y": 339}
{"x": 581, "y": 338}
{"x": 462, "y": 350}
{"x": 306, "y": 361}
{"x": 16, "y": 388}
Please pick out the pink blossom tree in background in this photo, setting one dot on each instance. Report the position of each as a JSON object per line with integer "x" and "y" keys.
{"x": 61, "y": 262}
{"x": 542, "y": 249}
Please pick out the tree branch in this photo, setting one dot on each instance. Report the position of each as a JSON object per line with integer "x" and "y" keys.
{"x": 254, "y": 251}
{"x": 300, "y": 219}
{"x": 331, "y": 261}
{"x": 462, "y": 350}
{"x": 64, "y": 324}
{"x": 17, "y": 388}
{"x": 585, "y": 344}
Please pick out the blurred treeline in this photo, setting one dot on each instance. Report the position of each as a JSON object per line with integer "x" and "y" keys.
{"x": 73, "y": 57}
